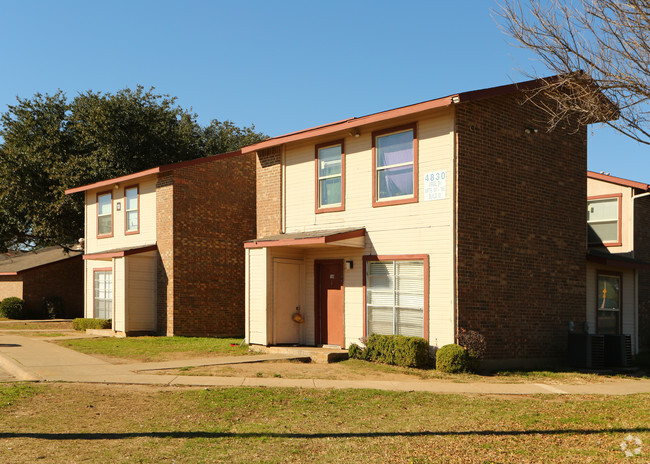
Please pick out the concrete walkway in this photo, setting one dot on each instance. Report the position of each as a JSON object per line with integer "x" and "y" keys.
{"x": 37, "y": 360}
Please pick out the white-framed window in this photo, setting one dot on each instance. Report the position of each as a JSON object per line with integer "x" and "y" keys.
{"x": 603, "y": 216}
{"x": 395, "y": 158}
{"x": 131, "y": 209}
{"x": 103, "y": 294}
{"x": 395, "y": 297}
{"x": 330, "y": 176}
{"x": 104, "y": 214}
{"x": 608, "y": 310}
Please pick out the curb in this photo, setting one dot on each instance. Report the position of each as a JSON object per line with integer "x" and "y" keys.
{"x": 16, "y": 370}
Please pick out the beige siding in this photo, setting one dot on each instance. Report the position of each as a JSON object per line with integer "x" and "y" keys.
{"x": 141, "y": 293}
{"x": 597, "y": 187}
{"x": 119, "y": 294}
{"x": 89, "y": 294}
{"x": 423, "y": 228}
{"x": 629, "y": 299}
{"x": 256, "y": 310}
{"x": 147, "y": 217}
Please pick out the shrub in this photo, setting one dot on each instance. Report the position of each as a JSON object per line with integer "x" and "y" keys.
{"x": 398, "y": 350}
{"x": 83, "y": 323}
{"x": 453, "y": 359}
{"x": 473, "y": 342}
{"x": 52, "y": 307}
{"x": 13, "y": 308}
{"x": 355, "y": 352}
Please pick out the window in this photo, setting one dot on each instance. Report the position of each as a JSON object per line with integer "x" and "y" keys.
{"x": 105, "y": 214}
{"x": 604, "y": 220}
{"x": 395, "y": 166}
{"x": 396, "y": 297}
{"x": 330, "y": 177}
{"x": 103, "y": 290}
{"x": 608, "y": 311}
{"x": 131, "y": 209}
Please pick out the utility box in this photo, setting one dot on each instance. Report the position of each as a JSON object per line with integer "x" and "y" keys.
{"x": 586, "y": 351}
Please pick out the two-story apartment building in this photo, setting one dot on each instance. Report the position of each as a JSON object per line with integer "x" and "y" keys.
{"x": 456, "y": 212}
{"x": 618, "y": 273}
{"x": 163, "y": 247}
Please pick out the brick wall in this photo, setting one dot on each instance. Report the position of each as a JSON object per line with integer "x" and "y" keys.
{"x": 642, "y": 252}
{"x": 63, "y": 279}
{"x": 269, "y": 192}
{"x": 202, "y": 258}
{"x": 165, "y": 243}
{"x": 521, "y": 268}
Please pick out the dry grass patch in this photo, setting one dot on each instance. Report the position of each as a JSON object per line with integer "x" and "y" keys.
{"x": 40, "y": 325}
{"x": 98, "y": 423}
{"x": 354, "y": 369}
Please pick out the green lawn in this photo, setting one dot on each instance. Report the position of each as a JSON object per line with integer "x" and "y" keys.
{"x": 157, "y": 348}
{"x": 97, "y": 423}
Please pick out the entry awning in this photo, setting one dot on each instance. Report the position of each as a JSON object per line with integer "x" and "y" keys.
{"x": 119, "y": 253}
{"x": 609, "y": 259}
{"x": 354, "y": 238}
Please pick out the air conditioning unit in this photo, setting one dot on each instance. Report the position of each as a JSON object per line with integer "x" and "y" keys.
{"x": 618, "y": 350}
{"x": 586, "y": 351}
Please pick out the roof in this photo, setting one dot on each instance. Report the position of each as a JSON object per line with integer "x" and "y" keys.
{"x": 616, "y": 260}
{"x": 15, "y": 263}
{"x": 350, "y": 123}
{"x": 156, "y": 170}
{"x": 618, "y": 181}
{"x": 120, "y": 252}
{"x": 316, "y": 237}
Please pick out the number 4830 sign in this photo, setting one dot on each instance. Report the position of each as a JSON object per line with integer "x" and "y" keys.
{"x": 435, "y": 185}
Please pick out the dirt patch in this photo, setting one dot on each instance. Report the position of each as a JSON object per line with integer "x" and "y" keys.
{"x": 40, "y": 325}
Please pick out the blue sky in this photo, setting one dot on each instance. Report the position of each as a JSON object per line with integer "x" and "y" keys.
{"x": 282, "y": 65}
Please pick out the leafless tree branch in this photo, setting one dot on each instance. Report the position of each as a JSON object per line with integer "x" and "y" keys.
{"x": 600, "y": 52}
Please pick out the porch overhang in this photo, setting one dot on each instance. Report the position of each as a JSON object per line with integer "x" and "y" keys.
{"x": 354, "y": 238}
{"x": 608, "y": 259}
{"x": 119, "y": 253}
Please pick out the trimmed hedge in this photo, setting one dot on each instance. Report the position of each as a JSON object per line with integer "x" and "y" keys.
{"x": 83, "y": 323}
{"x": 454, "y": 359}
{"x": 397, "y": 350}
{"x": 13, "y": 308}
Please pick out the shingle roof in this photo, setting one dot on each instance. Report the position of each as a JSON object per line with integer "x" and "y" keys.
{"x": 15, "y": 263}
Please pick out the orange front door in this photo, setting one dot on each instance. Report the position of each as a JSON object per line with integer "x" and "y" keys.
{"x": 329, "y": 302}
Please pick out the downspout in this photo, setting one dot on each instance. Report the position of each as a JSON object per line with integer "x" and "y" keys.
{"x": 454, "y": 221}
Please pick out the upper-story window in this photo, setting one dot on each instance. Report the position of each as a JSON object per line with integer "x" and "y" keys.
{"x": 105, "y": 214}
{"x": 395, "y": 169}
{"x": 604, "y": 220}
{"x": 131, "y": 210}
{"x": 330, "y": 174}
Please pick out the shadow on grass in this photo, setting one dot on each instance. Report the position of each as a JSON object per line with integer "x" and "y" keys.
{"x": 199, "y": 434}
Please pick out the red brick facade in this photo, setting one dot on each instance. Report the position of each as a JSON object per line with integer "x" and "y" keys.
{"x": 521, "y": 240}
{"x": 269, "y": 192}
{"x": 204, "y": 214}
{"x": 642, "y": 252}
{"x": 62, "y": 279}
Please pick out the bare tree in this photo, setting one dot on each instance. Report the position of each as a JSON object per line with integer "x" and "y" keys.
{"x": 597, "y": 49}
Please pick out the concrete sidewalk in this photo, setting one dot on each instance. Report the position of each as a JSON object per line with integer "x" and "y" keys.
{"x": 37, "y": 360}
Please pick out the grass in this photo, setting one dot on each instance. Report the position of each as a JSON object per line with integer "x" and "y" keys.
{"x": 75, "y": 423}
{"x": 19, "y": 325}
{"x": 146, "y": 349}
{"x": 354, "y": 369}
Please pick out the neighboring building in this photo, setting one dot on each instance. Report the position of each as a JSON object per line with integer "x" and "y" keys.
{"x": 163, "y": 247}
{"x": 45, "y": 274}
{"x": 455, "y": 212}
{"x": 618, "y": 269}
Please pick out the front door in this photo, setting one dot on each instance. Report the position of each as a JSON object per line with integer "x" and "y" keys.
{"x": 329, "y": 302}
{"x": 287, "y": 284}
